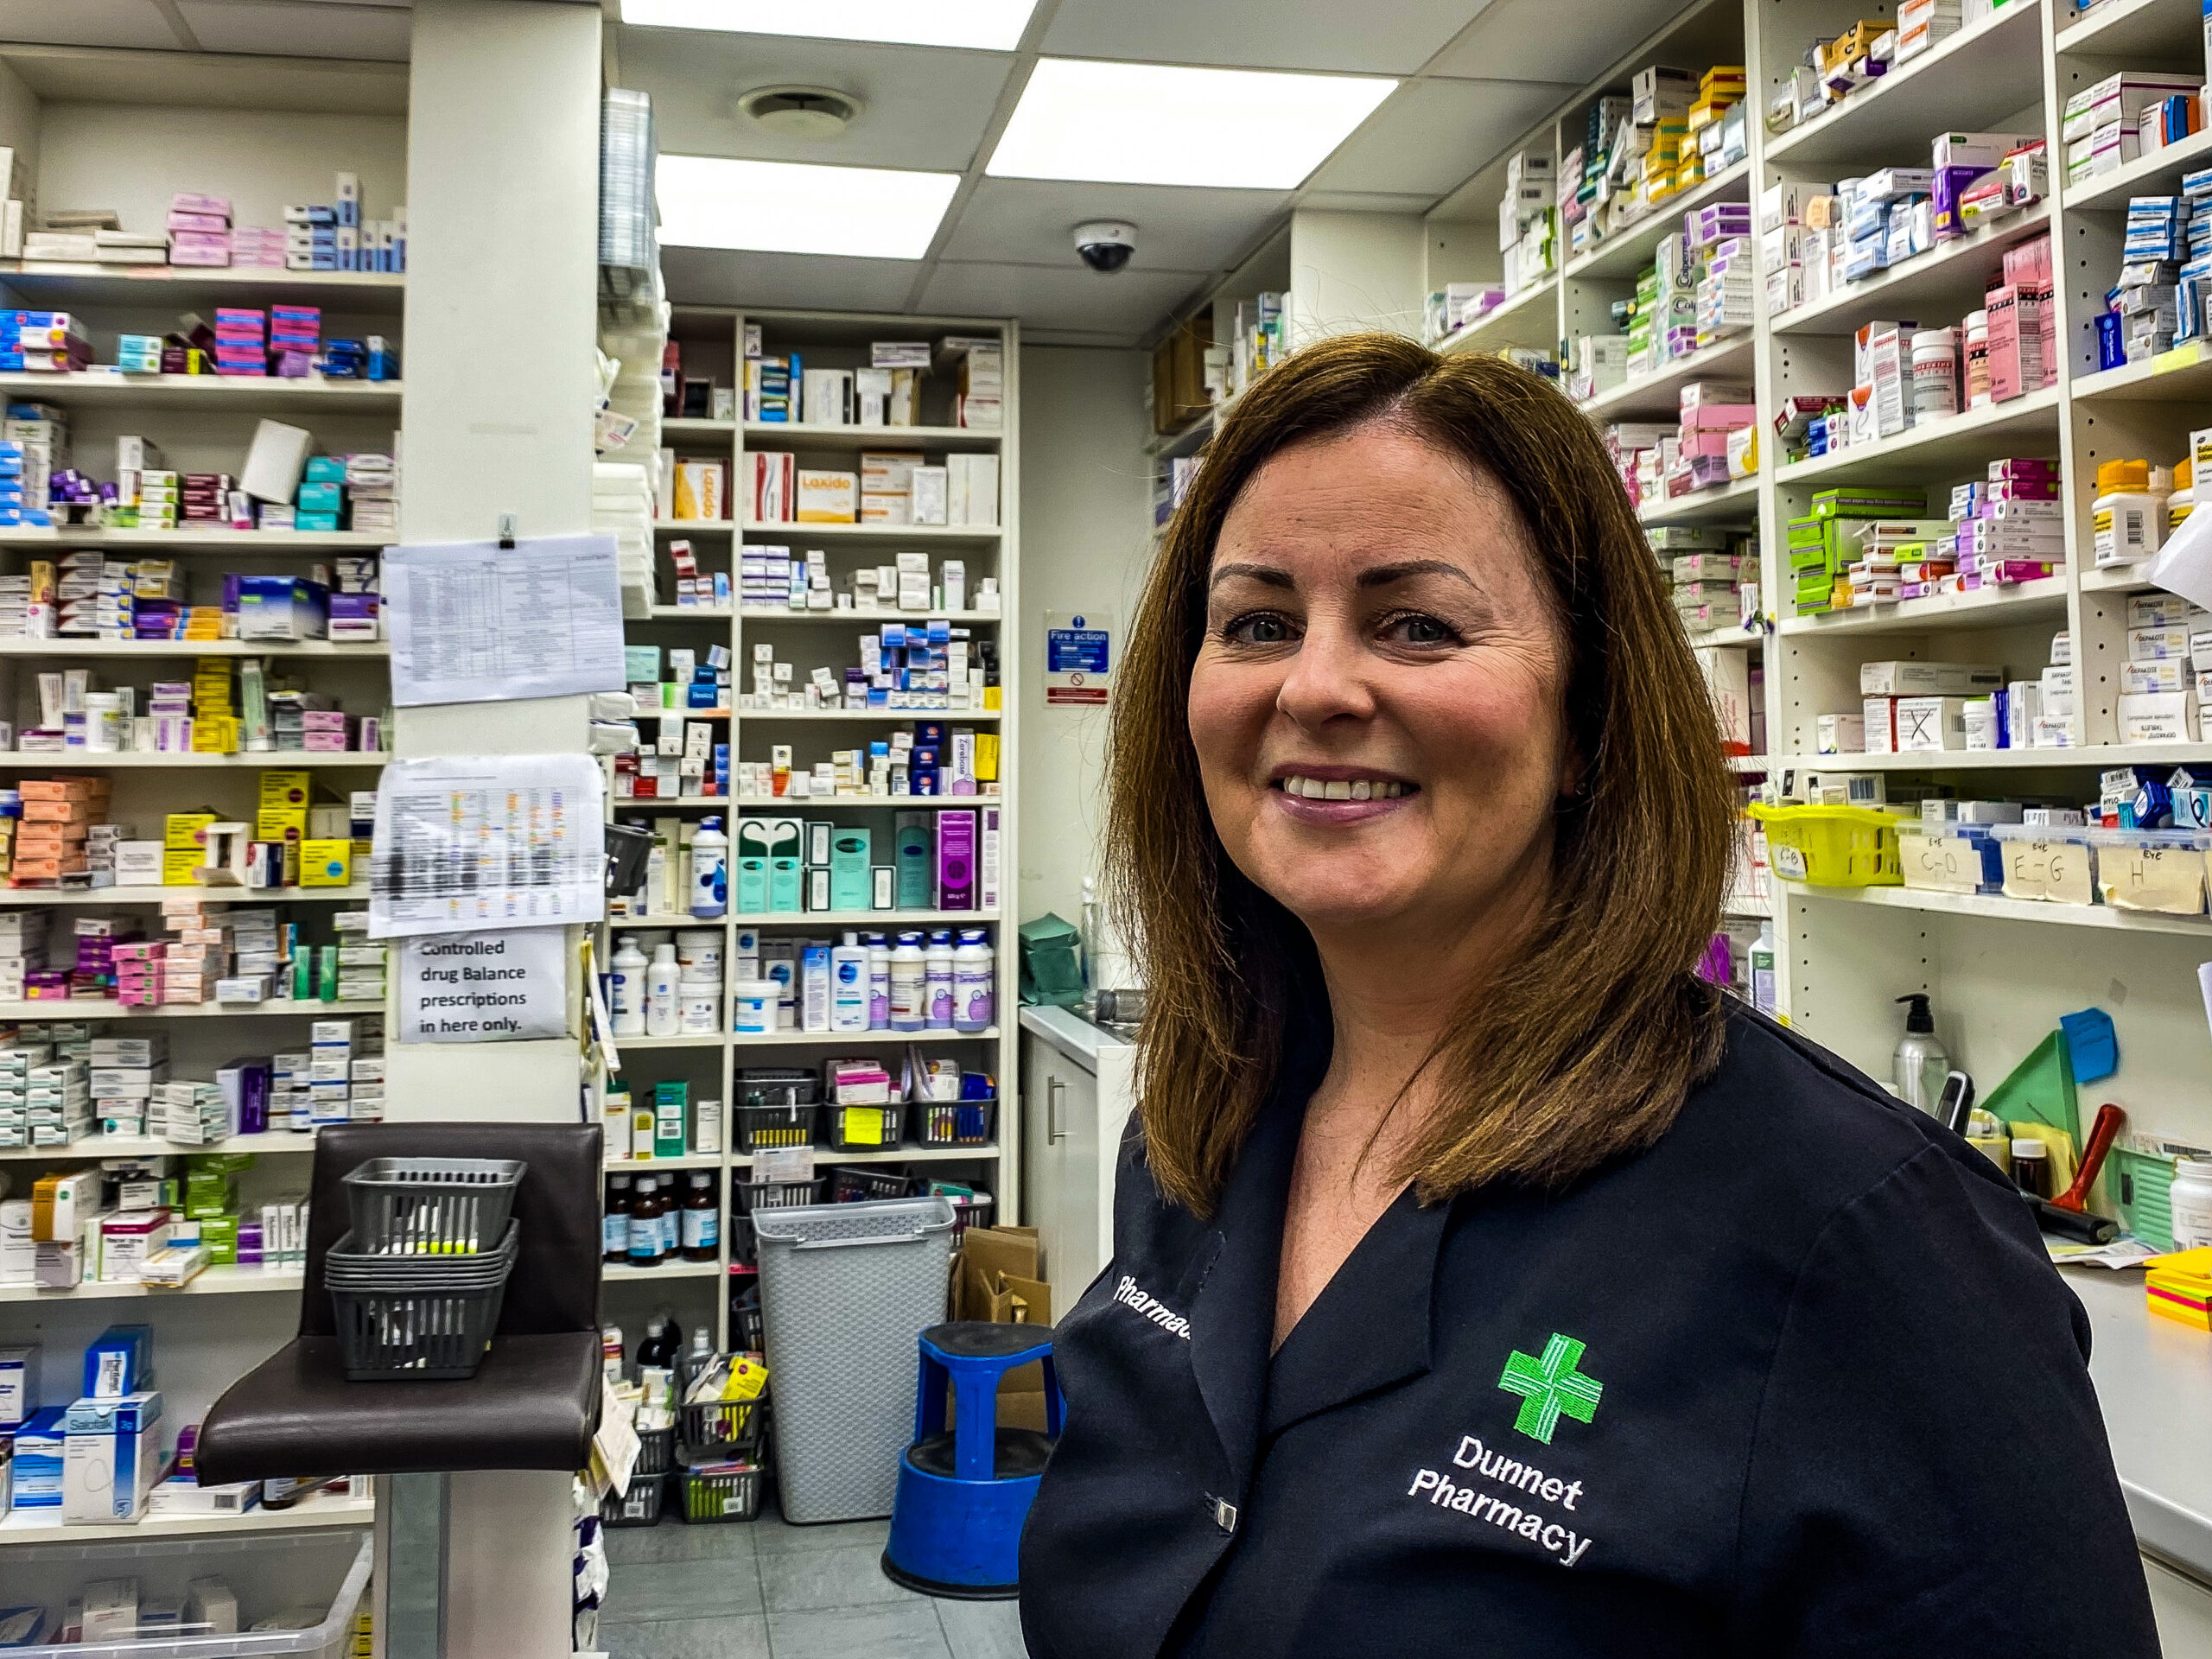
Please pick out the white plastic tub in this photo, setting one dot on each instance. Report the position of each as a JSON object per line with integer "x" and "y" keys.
{"x": 323, "y": 1574}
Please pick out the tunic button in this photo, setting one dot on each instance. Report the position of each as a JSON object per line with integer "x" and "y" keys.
{"x": 1224, "y": 1514}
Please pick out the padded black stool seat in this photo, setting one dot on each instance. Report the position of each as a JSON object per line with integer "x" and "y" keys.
{"x": 982, "y": 1339}
{"x": 533, "y": 1404}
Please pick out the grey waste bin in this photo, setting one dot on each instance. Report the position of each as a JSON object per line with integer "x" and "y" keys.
{"x": 845, "y": 1290}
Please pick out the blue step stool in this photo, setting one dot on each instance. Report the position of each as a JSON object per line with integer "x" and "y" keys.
{"x": 963, "y": 1492}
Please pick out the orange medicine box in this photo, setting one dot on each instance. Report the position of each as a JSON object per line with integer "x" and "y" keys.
{"x": 62, "y": 789}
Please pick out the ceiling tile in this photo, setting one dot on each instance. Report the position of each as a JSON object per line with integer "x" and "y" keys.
{"x": 922, "y": 107}
{"x": 1389, "y": 40}
{"x": 300, "y": 29}
{"x": 1030, "y": 221}
{"x": 1366, "y": 202}
{"x": 1125, "y": 304}
{"x": 1571, "y": 41}
{"x": 785, "y": 281}
{"x": 87, "y": 22}
{"x": 1430, "y": 135}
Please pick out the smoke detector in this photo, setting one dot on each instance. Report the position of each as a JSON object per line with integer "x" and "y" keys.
{"x": 815, "y": 112}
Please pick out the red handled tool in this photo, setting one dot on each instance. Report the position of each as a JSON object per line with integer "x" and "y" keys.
{"x": 2101, "y": 1135}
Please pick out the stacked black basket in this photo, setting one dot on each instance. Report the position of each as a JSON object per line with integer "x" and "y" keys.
{"x": 418, "y": 1279}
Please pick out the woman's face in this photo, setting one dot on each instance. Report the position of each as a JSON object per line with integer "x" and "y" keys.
{"x": 1376, "y": 706}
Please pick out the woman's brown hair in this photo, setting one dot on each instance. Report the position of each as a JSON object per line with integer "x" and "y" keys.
{"x": 1583, "y": 1046}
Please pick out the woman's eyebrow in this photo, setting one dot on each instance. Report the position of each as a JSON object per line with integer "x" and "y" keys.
{"x": 1269, "y": 575}
{"x": 1381, "y": 575}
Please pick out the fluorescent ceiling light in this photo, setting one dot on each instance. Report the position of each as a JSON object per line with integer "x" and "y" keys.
{"x": 708, "y": 201}
{"x": 1152, "y": 124}
{"x": 991, "y": 25}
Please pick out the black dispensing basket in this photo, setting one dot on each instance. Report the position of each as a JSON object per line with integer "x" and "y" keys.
{"x": 956, "y": 1122}
{"x": 777, "y": 1195}
{"x": 862, "y": 1186}
{"x": 776, "y": 1107}
{"x": 431, "y": 1206}
{"x": 640, "y": 1506}
{"x": 411, "y": 1318}
{"x": 885, "y": 1123}
{"x": 717, "y": 1495}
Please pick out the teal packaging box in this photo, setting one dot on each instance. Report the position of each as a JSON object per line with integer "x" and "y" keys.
{"x": 787, "y": 865}
{"x": 914, "y": 856}
{"x": 752, "y": 884}
{"x": 848, "y": 869}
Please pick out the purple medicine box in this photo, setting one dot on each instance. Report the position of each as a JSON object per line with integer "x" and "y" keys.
{"x": 956, "y": 859}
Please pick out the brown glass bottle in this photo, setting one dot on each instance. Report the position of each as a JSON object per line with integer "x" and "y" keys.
{"x": 648, "y": 1235}
{"x": 615, "y": 1245}
{"x": 701, "y": 1219}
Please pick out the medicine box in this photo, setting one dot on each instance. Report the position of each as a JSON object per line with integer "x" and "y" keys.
{"x": 1912, "y": 679}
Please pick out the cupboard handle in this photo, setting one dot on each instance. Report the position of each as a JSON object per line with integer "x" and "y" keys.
{"x": 1054, "y": 1088}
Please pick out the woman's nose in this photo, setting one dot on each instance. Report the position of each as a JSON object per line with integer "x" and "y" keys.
{"x": 1326, "y": 678}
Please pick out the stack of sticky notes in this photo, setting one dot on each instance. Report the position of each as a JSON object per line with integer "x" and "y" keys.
{"x": 2179, "y": 1286}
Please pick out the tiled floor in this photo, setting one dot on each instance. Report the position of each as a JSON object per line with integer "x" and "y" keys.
{"x": 766, "y": 1590}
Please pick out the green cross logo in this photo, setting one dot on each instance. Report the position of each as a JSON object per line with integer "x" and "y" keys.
{"x": 1550, "y": 1386}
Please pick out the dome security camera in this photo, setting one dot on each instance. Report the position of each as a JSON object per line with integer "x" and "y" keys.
{"x": 1106, "y": 245}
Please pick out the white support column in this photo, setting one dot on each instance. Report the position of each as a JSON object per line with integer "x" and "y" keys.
{"x": 1355, "y": 271}
{"x": 503, "y": 185}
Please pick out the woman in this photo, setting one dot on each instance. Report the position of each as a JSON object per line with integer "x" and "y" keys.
{"x": 1483, "y": 1282}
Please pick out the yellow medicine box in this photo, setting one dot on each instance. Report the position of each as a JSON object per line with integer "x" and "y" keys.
{"x": 326, "y": 863}
{"x": 281, "y": 814}
{"x": 186, "y": 832}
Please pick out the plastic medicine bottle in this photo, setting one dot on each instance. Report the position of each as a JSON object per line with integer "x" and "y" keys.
{"x": 971, "y": 981}
{"x": 936, "y": 981}
{"x": 909, "y": 984}
{"x": 710, "y": 869}
{"x": 661, "y": 1016}
{"x": 849, "y": 985}
{"x": 629, "y": 987}
{"x": 2192, "y": 1197}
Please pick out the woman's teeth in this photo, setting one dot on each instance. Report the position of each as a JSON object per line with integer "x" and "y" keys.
{"x": 1339, "y": 789}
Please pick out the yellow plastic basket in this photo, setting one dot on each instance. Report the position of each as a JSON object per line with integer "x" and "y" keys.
{"x": 1831, "y": 845}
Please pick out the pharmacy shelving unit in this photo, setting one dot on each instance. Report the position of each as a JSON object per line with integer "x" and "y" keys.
{"x": 2000, "y": 971}
{"x": 264, "y": 132}
{"x": 710, "y": 340}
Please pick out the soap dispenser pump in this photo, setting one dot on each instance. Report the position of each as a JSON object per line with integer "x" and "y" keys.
{"x": 1921, "y": 1064}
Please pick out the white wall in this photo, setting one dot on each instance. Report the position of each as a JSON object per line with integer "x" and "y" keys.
{"x": 1085, "y": 502}
{"x": 92, "y": 156}
{"x": 1355, "y": 271}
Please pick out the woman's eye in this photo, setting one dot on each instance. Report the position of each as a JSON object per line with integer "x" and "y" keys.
{"x": 1260, "y": 628}
{"x": 1415, "y": 629}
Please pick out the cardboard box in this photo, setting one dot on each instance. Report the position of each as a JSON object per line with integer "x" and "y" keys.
{"x": 996, "y": 1278}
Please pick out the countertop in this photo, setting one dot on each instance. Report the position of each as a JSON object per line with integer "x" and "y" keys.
{"x": 1070, "y": 1032}
{"x": 2154, "y": 1380}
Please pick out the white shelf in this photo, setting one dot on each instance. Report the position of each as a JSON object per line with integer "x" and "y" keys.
{"x": 2097, "y": 756}
{"x": 262, "y": 760}
{"x": 676, "y": 1269}
{"x": 1529, "y": 318}
{"x": 1658, "y": 393}
{"x": 1622, "y": 256}
{"x": 212, "y": 1282}
{"x": 2119, "y": 578}
{"x": 357, "y": 892}
{"x": 855, "y": 1038}
{"x": 92, "y": 1007}
{"x": 39, "y": 650}
{"x": 1714, "y": 638}
{"x": 1970, "y": 82}
{"x": 1943, "y": 450}
{"x": 162, "y": 543}
{"x": 315, "y": 1510}
{"x": 799, "y": 532}
{"x": 696, "y": 526}
{"x": 814, "y": 917}
{"x": 956, "y": 717}
{"x": 777, "y": 613}
{"x": 147, "y": 1146}
{"x": 247, "y": 394}
{"x": 2183, "y": 375}
{"x": 806, "y": 436}
{"x": 1722, "y": 504}
{"x": 1995, "y": 907}
{"x": 687, "y": 1039}
{"x": 2158, "y": 173}
{"x": 2138, "y": 29}
{"x": 685, "y": 614}
{"x": 1947, "y": 281}
{"x": 1986, "y": 607}
{"x": 70, "y": 285}
{"x": 647, "y": 1166}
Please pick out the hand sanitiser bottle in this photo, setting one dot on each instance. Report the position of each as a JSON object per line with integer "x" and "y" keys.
{"x": 1921, "y": 1064}
{"x": 710, "y": 869}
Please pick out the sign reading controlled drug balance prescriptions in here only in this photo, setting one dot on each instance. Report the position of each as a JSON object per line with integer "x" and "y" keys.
{"x": 476, "y": 987}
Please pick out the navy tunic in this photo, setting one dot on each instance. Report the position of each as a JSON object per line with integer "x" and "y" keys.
{"x": 1797, "y": 1384}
